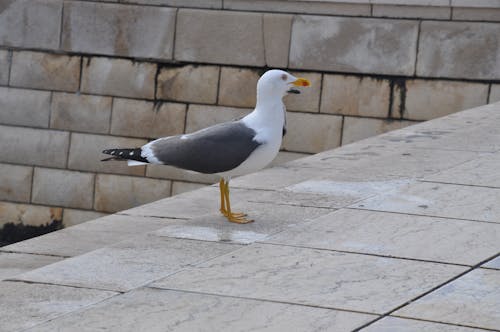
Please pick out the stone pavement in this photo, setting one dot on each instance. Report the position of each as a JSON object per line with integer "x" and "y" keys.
{"x": 400, "y": 232}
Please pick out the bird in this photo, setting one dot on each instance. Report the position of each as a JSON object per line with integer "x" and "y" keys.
{"x": 227, "y": 149}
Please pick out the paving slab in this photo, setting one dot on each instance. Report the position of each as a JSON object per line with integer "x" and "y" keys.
{"x": 313, "y": 277}
{"x": 493, "y": 264}
{"x": 128, "y": 264}
{"x": 149, "y": 309}
{"x": 399, "y": 235}
{"x": 471, "y": 300}
{"x": 439, "y": 200}
{"x": 394, "y": 324}
{"x": 269, "y": 219}
{"x": 12, "y": 264}
{"x": 24, "y": 305}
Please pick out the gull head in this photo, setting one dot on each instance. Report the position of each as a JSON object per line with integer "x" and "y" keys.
{"x": 278, "y": 83}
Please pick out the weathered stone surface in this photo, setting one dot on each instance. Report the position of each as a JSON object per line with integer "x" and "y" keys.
{"x": 128, "y": 264}
{"x": 312, "y": 132}
{"x": 172, "y": 173}
{"x": 15, "y": 182}
{"x": 219, "y": 37}
{"x": 471, "y": 300}
{"x": 145, "y": 119}
{"x": 37, "y": 303}
{"x": 494, "y": 93}
{"x": 238, "y": 87}
{"x": 476, "y": 14}
{"x": 190, "y": 312}
{"x": 39, "y": 26}
{"x": 63, "y": 188}
{"x": 397, "y": 235}
{"x": 214, "y": 4}
{"x": 440, "y": 200}
{"x": 493, "y": 264}
{"x": 24, "y": 107}
{"x": 118, "y": 77}
{"x": 85, "y": 153}
{"x": 459, "y": 50}
{"x": 354, "y": 95}
{"x": 284, "y": 157}
{"x": 202, "y": 116}
{"x": 197, "y": 84}
{"x": 411, "y": 325}
{"x": 356, "y": 129}
{"x": 118, "y": 30}
{"x": 427, "y": 100}
{"x": 12, "y": 264}
{"x": 28, "y": 214}
{"x": 308, "y": 99}
{"x": 73, "y": 217}
{"x": 299, "y": 275}
{"x": 23, "y": 146}
{"x": 183, "y": 187}
{"x": 114, "y": 193}
{"x": 406, "y": 11}
{"x": 80, "y": 112}
{"x": 277, "y": 39}
{"x": 45, "y": 71}
{"x": 354, "y": 45}
{"x": 4, "y": 66}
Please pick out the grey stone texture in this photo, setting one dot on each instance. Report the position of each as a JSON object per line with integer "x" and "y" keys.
{"x": 118, "y": 77}
{"x": 63, "y": 188}
{"x": 277, "y": 39}
{"x": 494, "y": 93}
{"x": 24, "y": 107}
{"x": 405, "y": 11}
{"x": 353, "y": 45}
{"x": 15, "y": 182}
{"x": 213, "y": 4}
{"x": 73, "y": 217}
{"x": 179, "y": 187}
{"x": 238, "y": 87}
{"x": 219, "y": 37}
{"x": 4, "y": 66}
{"x": 113, "y": 29}
{"x": 31, "y": 142}
{"x": 12, "y": 264}
{"x": 27, "y": 214}
{"x": 355, "y": 129}
{"x": 78, "y": 112}
{"x": 146, "y": 119}
{"x": 476, "y": 14}
{"x": 38, "y": 28}
{"x": 412, "y": 325}
{"x": 459, "y": 50}
{"x": 45, "y": 71}
{"x": 196, "y": 84}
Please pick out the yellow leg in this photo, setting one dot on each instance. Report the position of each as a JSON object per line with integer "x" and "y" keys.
{"x": 226, "y": 206}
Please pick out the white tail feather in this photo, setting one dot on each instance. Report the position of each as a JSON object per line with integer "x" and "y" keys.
{"x": 135, "y": 163}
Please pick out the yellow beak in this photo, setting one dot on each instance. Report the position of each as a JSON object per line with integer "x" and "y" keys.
{"x": 301, "y": 82}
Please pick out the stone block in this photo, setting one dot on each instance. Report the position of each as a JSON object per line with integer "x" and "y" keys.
{"x": 201, "y": 116}
{"x": 12, "y": 264}
{"x": 115, "y": 193}
{"x": 85, "y": 153}
{"x": 459, "y": 50}
{"x": 425, "y": 100}
{"x": 494, "y": 93}
{"x": 356, "y": 129}
{"x": 238, "y": 87}
{"x": 213, "y": 4}
{"x": 118, "y": 77}
{"x": 412, "y": 11}
{"x": 5, "y": 57}
{"x": 308, "y": 99}
{"x": 23, "y": 145}
{"x": 197, "y": 84}
{"x": 31, "y": 24}
{"x": 277, "y": 39}
{"x": 354, "y": 95}
{"x": 476, "y": 14}
{"x": 63, "y": 188}
{"x": 183, "y": 187}
{"x": 27, "y": 214}
{"x": 410, "y": 325}
{"x": 45, "y": 71}
{"x": 114, "y": 29}
{"x": 172, "y": 173}
{"x": 145, "y": 119}
{"x": 15, "y": 182}
{"x": 284, "y": 157}
{"x": 354, "y": 45}
{"x": 346, "y": 8}
{"x": 222, "y": 37}
{"x": 77, "y": 112}
{"x": 73, "y": 217}
{"x": 24, "y": 107}
{"x": 312, "y": 133}
{"x": 475, "y": 4}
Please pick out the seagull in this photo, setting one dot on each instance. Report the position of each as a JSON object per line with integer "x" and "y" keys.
{"x": 227, "y": 149}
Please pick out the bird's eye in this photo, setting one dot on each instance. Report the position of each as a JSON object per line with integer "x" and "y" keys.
{"x": 283, "y": 77}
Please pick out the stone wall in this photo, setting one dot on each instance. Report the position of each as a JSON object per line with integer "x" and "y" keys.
{"x": 80, "y": 76}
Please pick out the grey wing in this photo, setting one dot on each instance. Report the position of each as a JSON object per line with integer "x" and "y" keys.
{"x": 215, "y": 149}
